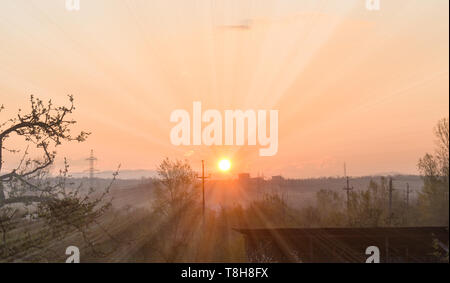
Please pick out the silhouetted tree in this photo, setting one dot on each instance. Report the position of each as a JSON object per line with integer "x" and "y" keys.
{"x": 176, "y": 201}
{"x": 433, "y": 199}
{"x": 29, "y": 195}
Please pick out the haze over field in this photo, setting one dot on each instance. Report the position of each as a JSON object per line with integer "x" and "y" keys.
{"x": 224, "y": 131}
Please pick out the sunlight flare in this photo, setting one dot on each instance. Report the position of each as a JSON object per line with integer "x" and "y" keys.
{"x": 224, "y": 165}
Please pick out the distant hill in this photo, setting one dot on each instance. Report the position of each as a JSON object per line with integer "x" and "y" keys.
{"x": 123, "y": 174}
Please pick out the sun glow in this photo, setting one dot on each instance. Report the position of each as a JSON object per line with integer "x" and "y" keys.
{"x": 224, "y": 165}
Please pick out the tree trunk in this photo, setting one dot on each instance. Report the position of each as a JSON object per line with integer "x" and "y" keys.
{"x": 2, "y": 193}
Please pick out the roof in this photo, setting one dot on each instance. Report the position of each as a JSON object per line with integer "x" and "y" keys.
{"x": 438, "y": 231}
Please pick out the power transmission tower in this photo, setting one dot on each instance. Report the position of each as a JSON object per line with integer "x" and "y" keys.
{"x": 91, "y": 169}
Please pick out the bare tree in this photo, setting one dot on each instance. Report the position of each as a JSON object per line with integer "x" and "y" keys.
{"x": 28, "y": 192}
{"x": 176, "y": 202}
{"x": 441, "y": 132}
{"x": 176, "y": 185}
{"x": 433, "y": 198}
{"x": 45, "y": 127}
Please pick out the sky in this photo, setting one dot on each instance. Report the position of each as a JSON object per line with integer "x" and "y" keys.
{"x": 351, "y": 85}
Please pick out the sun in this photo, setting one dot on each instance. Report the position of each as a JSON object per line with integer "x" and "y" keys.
{"x": 224, "y": 165}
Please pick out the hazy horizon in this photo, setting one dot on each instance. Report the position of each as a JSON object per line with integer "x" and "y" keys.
{"x": 137, "y": 174}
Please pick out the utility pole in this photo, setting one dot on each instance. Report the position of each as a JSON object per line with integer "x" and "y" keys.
{"x": 407, "y": 202}
{"x": 348, "y": 189}
{"x": 203, "y": 177}
{"x": 345, "y": 170}
{"x": 390, "y": 200}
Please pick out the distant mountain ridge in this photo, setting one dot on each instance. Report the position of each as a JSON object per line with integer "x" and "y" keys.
{"x": 123, "y": 174}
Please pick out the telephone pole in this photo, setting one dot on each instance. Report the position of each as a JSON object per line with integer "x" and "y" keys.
{"x": 345, "y": 170}
{"x": 203, "y": 177}
{"x": 407, "y": 202}
{"x": 391, "y": 189}
{"x": 348, "y": 189}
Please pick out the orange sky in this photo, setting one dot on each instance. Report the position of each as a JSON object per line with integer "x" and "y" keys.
{"x": 364, "y": 87}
